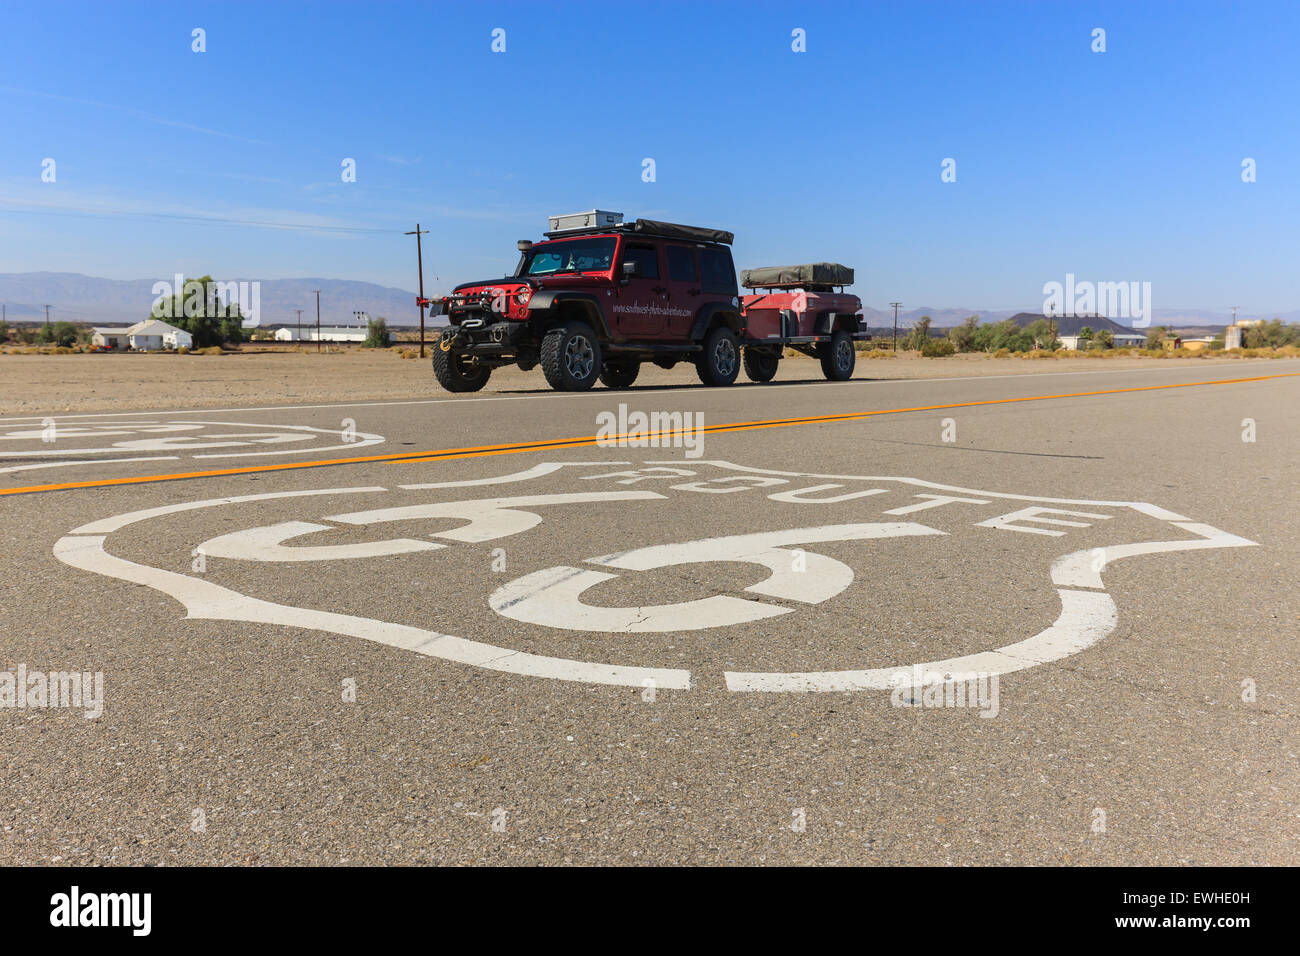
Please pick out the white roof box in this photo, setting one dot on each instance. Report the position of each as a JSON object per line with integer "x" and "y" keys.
{"x": 592, "y": 219}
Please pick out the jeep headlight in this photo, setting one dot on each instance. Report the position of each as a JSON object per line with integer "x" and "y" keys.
{"x": 523, "y": 295}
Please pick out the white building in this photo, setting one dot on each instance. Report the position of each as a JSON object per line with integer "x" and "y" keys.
{"x": 327, "y": 334}
{"x": 151, "y": 335}
{"x": 1120, "y": 340}
{"x": 105, "y": 335}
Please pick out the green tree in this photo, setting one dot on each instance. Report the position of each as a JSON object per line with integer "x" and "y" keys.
{"x": 919, "y": 335}
{"x": 377, "y": 334}
{"x": 963, "y": 336}
{"x": 1101, "y": 339}
{"x": 1272, "y": 334}
{"x": 202, "y": 314}
{"x": 64, "y": 334}
{"x": 1085, "y": 333}
{"x": 1042, "y": 333}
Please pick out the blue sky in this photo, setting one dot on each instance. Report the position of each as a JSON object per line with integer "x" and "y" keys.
{"x": 1115, "y": 166}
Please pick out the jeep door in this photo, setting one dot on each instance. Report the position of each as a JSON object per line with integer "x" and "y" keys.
{"x": 683, "y": 288}
{"x": 718, "y": 277}
{"x": 640, "y": 299}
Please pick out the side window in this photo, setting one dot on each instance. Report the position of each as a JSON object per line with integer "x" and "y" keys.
{"x": 646, "y": 259}
{"x": 719, "y": 274}
{"x": 681, "y": 264}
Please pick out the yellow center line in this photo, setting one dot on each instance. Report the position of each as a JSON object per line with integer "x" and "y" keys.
{"x": 482, "y": 451}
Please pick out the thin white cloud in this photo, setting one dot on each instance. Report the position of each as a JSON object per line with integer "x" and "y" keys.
{"x": 132, "y": 111}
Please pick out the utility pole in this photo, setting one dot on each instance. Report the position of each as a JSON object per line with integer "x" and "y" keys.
{"x": 317, "y": 291}
{"x": 47, "y": 315}
{"x": 895, "y": 305}
{"x": 1051, "y": 326}
{"x": 299, "y": 311}
{"x": 419, "y": 260}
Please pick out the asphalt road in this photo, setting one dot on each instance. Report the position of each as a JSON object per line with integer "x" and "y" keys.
{"x": 700, "y": 653}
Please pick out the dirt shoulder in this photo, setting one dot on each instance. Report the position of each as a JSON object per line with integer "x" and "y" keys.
{"x": 37, "y": 384}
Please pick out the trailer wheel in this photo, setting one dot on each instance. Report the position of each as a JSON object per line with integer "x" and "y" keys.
{"x": 719, "y": 363}
{"x": 761, "y": 364}
{"x": 455, "y": 372}
{"x": 839, "y": 357}
{"x": 571, "y": 357}
{"x": 619, "y": 374}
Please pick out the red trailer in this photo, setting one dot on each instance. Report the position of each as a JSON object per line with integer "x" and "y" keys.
{"x": 803, "y": 307}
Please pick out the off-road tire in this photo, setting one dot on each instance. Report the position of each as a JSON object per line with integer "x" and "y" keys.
{"x": 571, "y": 357}
{"x": 719, "y": 363}
{"x": 453, "y": 371}
{"x": 761, "y": 364}
{"x": 839, "y": 357}
{"x": 620, "y": 374}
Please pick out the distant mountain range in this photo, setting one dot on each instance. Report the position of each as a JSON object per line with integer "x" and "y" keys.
{"x": 80, "y": 298}
{"x": 1175, "y": 318}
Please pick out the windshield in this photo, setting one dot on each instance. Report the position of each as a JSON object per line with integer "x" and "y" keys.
{"x": 575, "y": 255}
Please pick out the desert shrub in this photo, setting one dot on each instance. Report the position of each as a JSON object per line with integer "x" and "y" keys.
{"x": 377, "y": 334}
{"x": 937, "y": 348}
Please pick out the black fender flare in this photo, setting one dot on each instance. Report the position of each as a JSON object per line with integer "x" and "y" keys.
{"x": 547, "y": 300}
{"x": 712, "y": 313}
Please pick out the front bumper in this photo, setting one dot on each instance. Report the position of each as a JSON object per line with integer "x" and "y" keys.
{"x": 487, "y": 336}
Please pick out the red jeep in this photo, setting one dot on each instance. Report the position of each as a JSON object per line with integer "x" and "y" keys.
{"x": 599, "y": 296}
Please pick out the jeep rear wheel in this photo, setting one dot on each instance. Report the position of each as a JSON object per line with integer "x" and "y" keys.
{"x": 839, "y": 357}
{"x": 719, "y": 363}
{"x": 761, "y": 364}
{"x": 619, "y": 374}
{"x": 455, "y": 372}
{"x": 571, "y": 357}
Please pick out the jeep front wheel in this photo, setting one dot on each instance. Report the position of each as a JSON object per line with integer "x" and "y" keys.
{"x": 619, "y": 374}
{"x": 571, "y": 357}
{"x": 455, "y": 372}
{"x": 839, "y": 358}
{"x": 719, "y": 363}
{"x": 761, "y": 364}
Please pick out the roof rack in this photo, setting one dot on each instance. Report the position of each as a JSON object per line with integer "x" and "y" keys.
{"x": 647, "y": 227}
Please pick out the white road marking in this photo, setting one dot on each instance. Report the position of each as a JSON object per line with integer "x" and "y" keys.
{"x": 1086, "y": 617}
{"x": 537, "y": 471}
{"x": 489, "y": 518}
{"x": 1034, "y": 513}
{"x": 1082, "y": 569}
{"x": 204, "y": 599}
{"x": 1154, "y": 511}
{"x": 267, "y": 544}
{"x": 552, "y": 597}
{"x": 936, "y": 501}
{"x": 800, "y": 495}
{"x": 108, "y": 525}
{"x": 92, "y": 461}
{"x": 163, "y": 437}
